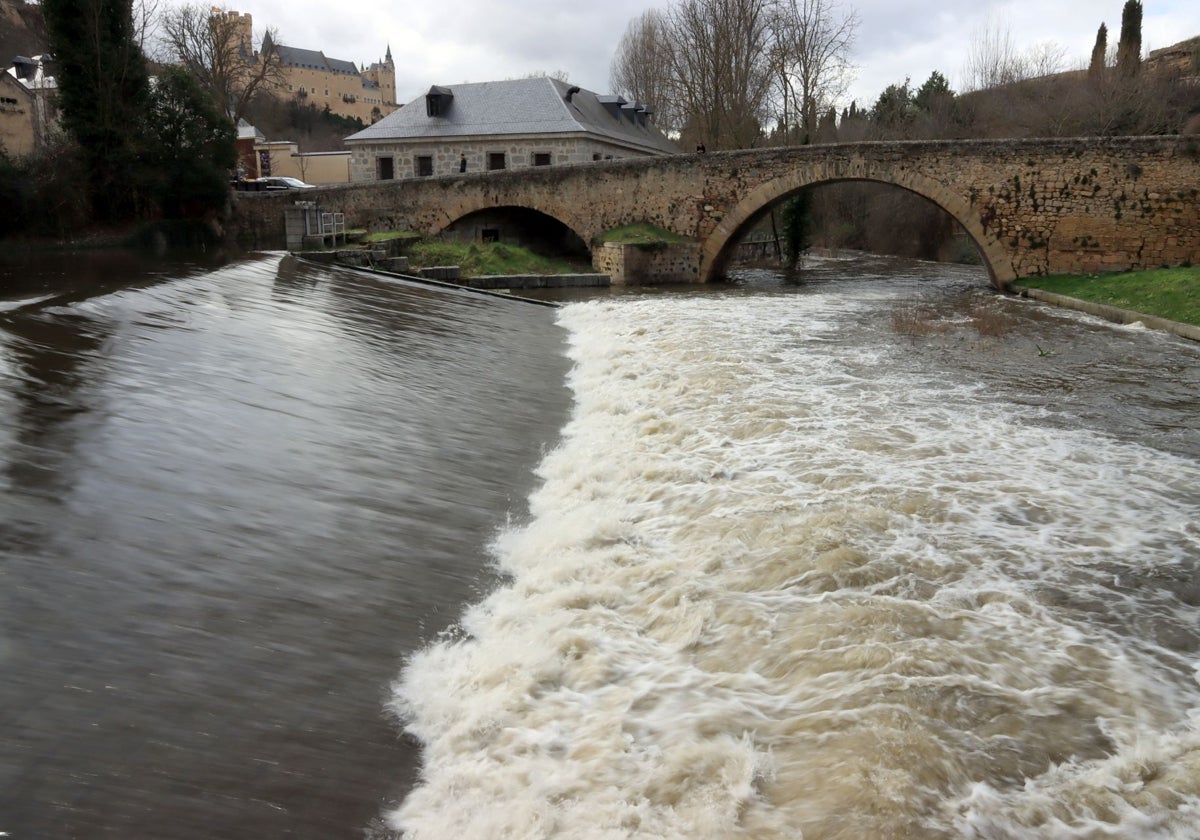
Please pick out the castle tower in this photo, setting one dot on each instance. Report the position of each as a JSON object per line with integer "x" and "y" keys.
{"x": 242, "y": 25}
{"x": 383, "y": 73}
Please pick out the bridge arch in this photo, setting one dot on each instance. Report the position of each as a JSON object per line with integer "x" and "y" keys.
{"x": 995, "y": 256}
{"x": 453, "y": 212}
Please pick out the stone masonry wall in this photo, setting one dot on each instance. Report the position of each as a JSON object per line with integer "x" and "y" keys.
{"x": 1071, "y": 205}
{"x": 519, "y": 152}
{"x": 631, "y": 265}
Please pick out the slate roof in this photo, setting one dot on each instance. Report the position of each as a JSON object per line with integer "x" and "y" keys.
{"x": 520, "y": 106}
{"x": 313, "y": 59}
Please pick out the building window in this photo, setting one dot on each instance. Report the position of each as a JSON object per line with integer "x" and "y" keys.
{"x": 424, "y": 166}
{"x": 541, "y": 158}
{"x": 496, "y": 160}
{"x": 387, "y": 168}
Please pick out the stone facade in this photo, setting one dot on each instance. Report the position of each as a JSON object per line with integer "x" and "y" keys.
{"x": 18, "y": 120}
{"x": 1071, "y": 205}
{"x": 28, "y": 105}
{"x": 519, "y": 152}
{"x": 345, "y": 94}
{"x": 631, "y": 265}
{"x": 1182, "y": 58}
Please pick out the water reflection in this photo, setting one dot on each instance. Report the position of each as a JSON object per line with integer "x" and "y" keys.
{"x": 52, "y": 361}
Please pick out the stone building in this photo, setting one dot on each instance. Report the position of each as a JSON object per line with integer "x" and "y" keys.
{"x": 1182, "y": 58}
{"x": 503, "y": 125}
{"x": 28, "y": 112}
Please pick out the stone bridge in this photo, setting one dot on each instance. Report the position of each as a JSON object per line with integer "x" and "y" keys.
{"x": 1072, "y": 205}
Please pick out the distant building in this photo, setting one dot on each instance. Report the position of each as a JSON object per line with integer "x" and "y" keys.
{"x": 313, "y": 79}
{"x": 503, "y": 125}
{"x": 28, "y": 108}
{"x": 248, "y": 140}
{"x": 1182, "y": 58}
{"x": 259, "y": 157}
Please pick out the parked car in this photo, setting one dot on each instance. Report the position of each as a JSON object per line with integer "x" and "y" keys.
{"x": 284, "y": 183}
{"x": 272, "y": 182}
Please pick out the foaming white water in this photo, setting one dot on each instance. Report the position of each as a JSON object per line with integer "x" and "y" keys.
{"x": 778, "y": 585}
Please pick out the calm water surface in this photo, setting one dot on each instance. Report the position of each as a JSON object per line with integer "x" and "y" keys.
{"x": 876, "y": 554}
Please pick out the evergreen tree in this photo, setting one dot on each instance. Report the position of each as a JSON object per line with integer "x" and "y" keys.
{"x": 192, "y": 145}
{"x": 1099, "y": 54}
{"x": 935, "y": 89}
{"x": 894, "y": 108}
{"x": 103, "y": 89}
{"x": 1129, "y": 48}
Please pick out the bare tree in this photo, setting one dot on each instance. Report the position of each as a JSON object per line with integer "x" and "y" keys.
{"x": 216, "y": 46}
{"x": 810, "y": 60}
{"x": 560, "y": 75}
{"x": 146, "y": 15}
{"x": 992, "y": 58}
{"x": 719, "y": 73}
{"x": 640, "y": 69}
{"x": 1045, "y": 58}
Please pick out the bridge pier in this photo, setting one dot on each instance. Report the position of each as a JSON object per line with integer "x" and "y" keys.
{"x": 630, "y": 264}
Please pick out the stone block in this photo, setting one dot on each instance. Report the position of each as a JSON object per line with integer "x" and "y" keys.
{"x": 449, "y": 273}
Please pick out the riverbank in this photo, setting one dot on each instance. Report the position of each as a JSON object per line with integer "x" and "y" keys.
{"x": 1162, "y": 299}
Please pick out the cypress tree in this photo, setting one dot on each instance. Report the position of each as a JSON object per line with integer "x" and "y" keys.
{"x": 103, "y": 91}
{"x": 1099, "y": 54}
{"x": 1129, "y": 48}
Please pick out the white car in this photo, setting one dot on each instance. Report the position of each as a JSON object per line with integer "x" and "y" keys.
{"x": 281, "y": 183}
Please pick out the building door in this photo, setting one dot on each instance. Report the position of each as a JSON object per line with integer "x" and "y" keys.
{"x": 387, "y": 169}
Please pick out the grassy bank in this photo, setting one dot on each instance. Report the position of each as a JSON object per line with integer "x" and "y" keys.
{"x": 475, "y": 259}
{"x": 1172, "y": 293}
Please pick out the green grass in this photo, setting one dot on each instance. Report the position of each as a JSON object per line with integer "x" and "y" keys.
{"x": 1172, "y": 293}
{"x": 373, "y": 238}
{"x": 490, "y": 258}
{"x": 641, "y": 233}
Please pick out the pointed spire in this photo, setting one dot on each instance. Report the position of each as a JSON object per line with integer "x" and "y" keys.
{"x": 389, "y": 54}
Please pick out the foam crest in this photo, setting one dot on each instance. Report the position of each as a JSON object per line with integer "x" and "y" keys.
{"x": 777, "y": 583}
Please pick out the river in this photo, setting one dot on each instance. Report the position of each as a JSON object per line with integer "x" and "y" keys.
{"x": 874, "y": 554}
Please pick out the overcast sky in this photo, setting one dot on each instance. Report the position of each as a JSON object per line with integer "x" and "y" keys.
{"x": 484, "y": 40}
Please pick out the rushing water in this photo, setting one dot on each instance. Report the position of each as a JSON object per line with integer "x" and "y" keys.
{"x": 876, "y": 555}
{"x": 792, "y": 573}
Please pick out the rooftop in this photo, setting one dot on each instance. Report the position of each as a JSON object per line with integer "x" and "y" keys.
{"x": 520, "y": 106}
